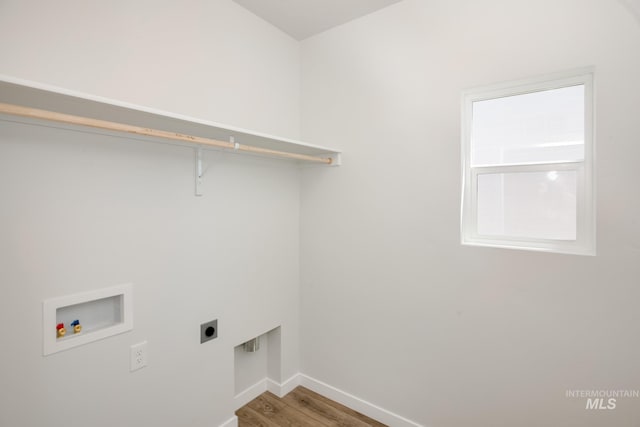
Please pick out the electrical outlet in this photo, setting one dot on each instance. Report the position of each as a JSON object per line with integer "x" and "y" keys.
{"x": 138, "y": 356}
{"x": 209, "y": 331}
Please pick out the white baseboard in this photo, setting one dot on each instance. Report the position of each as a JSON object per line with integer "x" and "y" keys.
{"x": 355, "y": 403}
{"x": 232, "y": 422}
{"x": 333, "y": 393}
{"x": 250, "y": 393}
{"x": 283, "y": 389}
{"x": 265, "y": 384}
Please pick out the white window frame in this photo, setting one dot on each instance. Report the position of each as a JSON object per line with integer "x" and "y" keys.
{"x": 585, "y": 208}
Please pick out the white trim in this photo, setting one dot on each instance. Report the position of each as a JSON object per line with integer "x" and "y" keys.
{"x": 355, "y": 403}
{"x": 532, "y": 84}
{"x": 282, "y": 389}
{"x": 585, "y": 221}
{"x": 274, "y": 387}
{"x": 265, "y": 384}
{"x": 231, "y": 422}
{"x": 250, "y": 393}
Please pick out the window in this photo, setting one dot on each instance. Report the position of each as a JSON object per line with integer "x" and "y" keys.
{"x": 527, "y": 165}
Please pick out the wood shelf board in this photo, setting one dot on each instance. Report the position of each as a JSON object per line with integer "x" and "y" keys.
{"x": 33, "y": 95}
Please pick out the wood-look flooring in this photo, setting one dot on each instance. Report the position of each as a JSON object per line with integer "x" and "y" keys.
{"x": 300, "y": 408}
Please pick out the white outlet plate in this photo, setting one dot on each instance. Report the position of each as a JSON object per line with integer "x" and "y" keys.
{"x": 138, "y": 356}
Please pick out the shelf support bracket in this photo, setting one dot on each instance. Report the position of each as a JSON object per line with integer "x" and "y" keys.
{"x": 199, "y": 171}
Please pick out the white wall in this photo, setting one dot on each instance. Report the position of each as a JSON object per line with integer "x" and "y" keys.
{"x": 394, "y": 309}
{"x": 81, "y": 211}
{"x": 206, "y": 59}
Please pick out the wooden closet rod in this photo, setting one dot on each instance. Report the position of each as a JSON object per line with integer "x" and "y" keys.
{"x": 16, "y": 110}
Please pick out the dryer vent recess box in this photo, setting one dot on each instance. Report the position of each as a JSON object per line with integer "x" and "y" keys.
{"x": 100, "y": 314}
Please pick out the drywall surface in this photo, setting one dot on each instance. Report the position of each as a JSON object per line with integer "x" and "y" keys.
{"x": 211, "y": 60}
{"x": 394, "y": 309}
{"x": 83, "y": 211}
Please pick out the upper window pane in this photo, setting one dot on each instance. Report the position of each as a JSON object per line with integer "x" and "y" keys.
{"x": 538, "y": 127}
